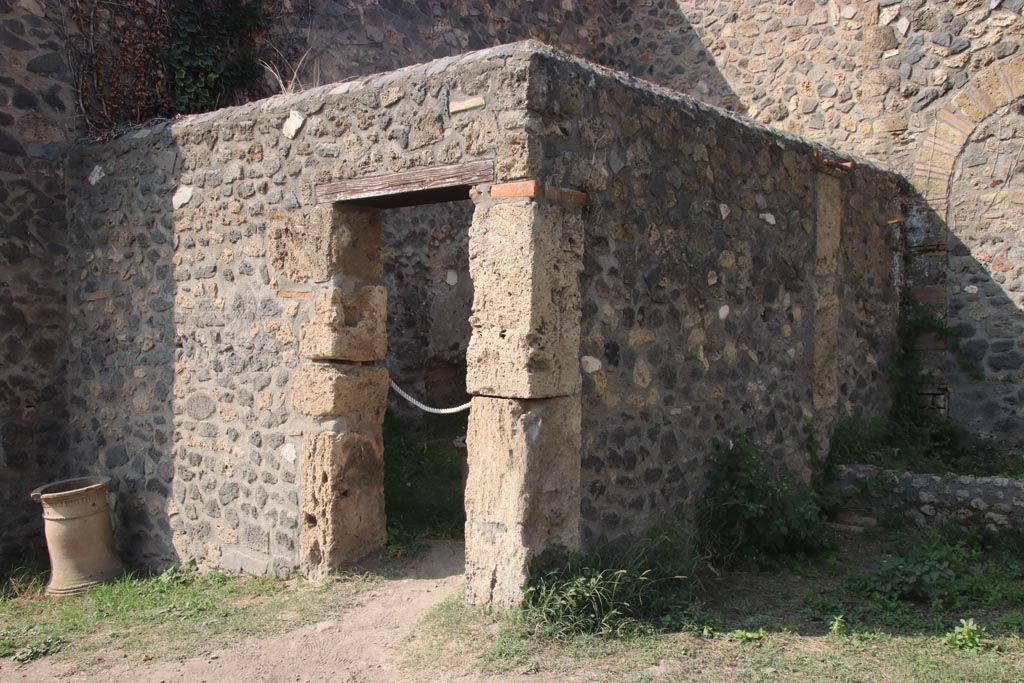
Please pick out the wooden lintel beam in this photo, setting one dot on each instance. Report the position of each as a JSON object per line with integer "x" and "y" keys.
{"x": 468, "y": 173}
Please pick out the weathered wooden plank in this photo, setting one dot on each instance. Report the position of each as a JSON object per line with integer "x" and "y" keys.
{"x": 468, "y": 173}
{"x": 563, "y": 195}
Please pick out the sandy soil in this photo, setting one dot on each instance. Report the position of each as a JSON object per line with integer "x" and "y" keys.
{"x": 361, "y": 647}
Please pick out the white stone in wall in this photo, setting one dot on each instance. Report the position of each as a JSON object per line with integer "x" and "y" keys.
{"x": 293, "y": 124}
{"x": 182, "y": 196}
{"x": 96, "y": 175}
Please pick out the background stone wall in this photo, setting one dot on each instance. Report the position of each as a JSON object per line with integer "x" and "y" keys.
{"x": 36, "y": 123}
{"x": 731, "y": 284}
{"x": 986, "y": 276}
{"x": 191, "y": 249}
{"x": 927, "y": 88}
{"x": 347, "y": 38}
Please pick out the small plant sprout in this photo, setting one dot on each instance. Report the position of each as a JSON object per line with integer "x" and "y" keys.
{"x": 747, "y": 637}
{"x": 969, "y": 635}
{"x": 837, "y": 626}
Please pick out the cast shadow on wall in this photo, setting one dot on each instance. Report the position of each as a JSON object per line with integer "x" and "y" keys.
{"x": 986, "y": 372}
{"x": 123, "y": 345}
{"x": 977, "y": 371}
{"x": 342, "y": 39}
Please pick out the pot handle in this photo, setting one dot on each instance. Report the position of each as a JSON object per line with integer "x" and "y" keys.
{"x": 37, "y": 494}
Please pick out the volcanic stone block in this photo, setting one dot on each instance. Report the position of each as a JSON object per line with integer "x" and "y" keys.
{"x": 331, "y": 240}
{"x": 342, "y": 500}
{"x": 523, "y": 490}
{"x": 359, "y": 393}
{"x": 525, "y": 259}
{"x": 347, "y": 327}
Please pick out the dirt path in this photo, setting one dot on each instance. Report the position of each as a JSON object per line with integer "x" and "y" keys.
{"x": 362, "y": 646}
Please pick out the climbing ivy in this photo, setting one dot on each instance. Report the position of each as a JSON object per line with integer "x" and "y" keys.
{"x": 211, "y": 52}
{"x": 913, "y": 436}
{"x": 136, "y": 60}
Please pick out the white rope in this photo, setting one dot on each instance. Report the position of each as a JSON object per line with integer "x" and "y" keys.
{"x": 426, "y": 408}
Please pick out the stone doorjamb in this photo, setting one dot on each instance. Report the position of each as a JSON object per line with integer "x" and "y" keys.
{"x": 522, "y": 496}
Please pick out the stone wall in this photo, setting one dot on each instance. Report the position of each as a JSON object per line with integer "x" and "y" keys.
{"x": 734, "y": 280}
{"x": 926, "y": 499}
{"x": 985, "y": 286}
{"x": 199, "y": 258}
{"x": 36, "y": 122}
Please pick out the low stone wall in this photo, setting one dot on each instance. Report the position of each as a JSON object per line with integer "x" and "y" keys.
{"x": 928, "y": 499}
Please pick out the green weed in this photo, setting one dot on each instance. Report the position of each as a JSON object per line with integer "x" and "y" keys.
{"x": 913, "y": 437}
{"x": 950, "y": 567}
{"x": 747, "y": 637}
{"x": 27, "y": 643}
{"x": 751, "y": 515}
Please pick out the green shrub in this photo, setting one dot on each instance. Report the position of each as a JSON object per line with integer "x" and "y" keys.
{"x": 638, "y": 591}
{"x": 751, "y": 514}
{"x": 918, "y": 576}
{"x": 950, "y": 566}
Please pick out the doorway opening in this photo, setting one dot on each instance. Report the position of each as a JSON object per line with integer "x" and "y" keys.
{"x": 425, "y": 254}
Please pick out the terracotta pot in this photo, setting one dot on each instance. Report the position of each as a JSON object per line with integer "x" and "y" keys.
{"x": 79, "y": 536}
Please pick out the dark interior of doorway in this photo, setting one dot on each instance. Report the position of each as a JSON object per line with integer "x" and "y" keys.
{"x": 426, "y": 271}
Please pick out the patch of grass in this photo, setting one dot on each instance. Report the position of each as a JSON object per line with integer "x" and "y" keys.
{"x": 24, "y": 576}
{"x": 25, "y": 644}
{"x": 180, "y": 612}
{"x": 423, "y": 485}
{"x": 639, "y": 590}
{"x": 800, "y": 625}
